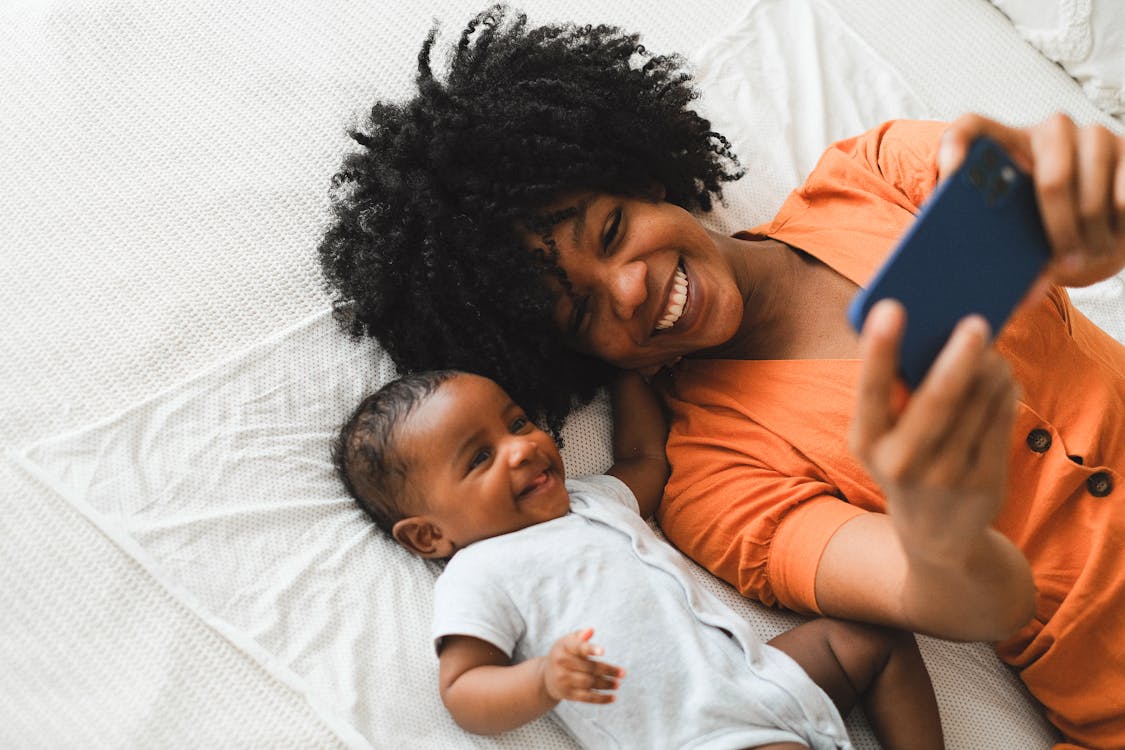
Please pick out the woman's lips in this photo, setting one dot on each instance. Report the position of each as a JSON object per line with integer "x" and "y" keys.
{"x": 677, "y": 300}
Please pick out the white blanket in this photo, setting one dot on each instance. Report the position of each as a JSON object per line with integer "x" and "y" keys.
{"x": 178, "y": 564}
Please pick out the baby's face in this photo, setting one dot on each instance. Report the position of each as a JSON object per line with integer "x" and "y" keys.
{"x": 478, "y": 465}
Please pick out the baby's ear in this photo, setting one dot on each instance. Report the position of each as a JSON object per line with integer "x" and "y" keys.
{"x": 422, "y": 536}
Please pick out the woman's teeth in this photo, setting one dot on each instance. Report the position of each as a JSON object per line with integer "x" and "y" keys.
{"x": 676, "y": 301}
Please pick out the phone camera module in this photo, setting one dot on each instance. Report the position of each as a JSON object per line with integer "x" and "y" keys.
{"x": 977, "y": 177}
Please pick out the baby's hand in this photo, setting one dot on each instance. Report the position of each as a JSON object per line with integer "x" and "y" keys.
{"x": 570, "y": 673}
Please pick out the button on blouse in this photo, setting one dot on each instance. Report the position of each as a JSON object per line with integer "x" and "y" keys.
{"x": 1100, "y": 484}
{"x": 1039, "y": 440}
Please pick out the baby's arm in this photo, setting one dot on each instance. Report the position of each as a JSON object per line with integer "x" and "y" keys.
{"x": 487, "y": 694}
{"x": 639, "y": 434}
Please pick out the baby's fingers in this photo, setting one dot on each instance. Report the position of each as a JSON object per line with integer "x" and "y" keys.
{"x": 578, "y": 644}
{"x": 592, "y": 696}
{"x": 590, "y": 682}
{"x": 599, "y": 690}
{"x": 597, "y": 670}
{"x": 574, "y": 674}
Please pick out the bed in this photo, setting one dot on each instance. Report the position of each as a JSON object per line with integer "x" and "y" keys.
{"x": 178, "y": 566}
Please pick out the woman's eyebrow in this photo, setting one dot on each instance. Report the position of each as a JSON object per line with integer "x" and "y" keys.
{"x": 579, "y": 226}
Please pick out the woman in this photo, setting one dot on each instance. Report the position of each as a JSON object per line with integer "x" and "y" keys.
{"x": 528, "y": 218}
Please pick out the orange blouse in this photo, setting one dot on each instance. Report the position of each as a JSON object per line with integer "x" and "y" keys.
{"x": 762, "y": 476}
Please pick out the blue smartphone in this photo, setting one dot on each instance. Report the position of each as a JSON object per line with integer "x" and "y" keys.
{"x": 976, "y": 246}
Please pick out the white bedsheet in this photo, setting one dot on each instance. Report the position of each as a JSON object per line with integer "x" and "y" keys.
{"x": 178, "y": 566}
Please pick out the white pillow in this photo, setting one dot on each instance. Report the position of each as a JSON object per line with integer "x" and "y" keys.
{"x": 1085, "y": 37}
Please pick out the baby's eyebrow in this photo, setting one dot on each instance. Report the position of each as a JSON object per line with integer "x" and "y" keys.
{"x": 465, "y": 445}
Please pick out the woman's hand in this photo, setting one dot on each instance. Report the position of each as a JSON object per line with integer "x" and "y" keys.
{"x": 571, "y": 673}
{"x": 940, "y": 456}
{"x": 1079, "y": 176}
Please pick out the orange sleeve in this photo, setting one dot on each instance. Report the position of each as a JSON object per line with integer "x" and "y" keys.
{"x": 860, "y": 197}
{"x": 895, "y": 162}
{"x": 901, "y": 153}
{"x": 759, "y": 527}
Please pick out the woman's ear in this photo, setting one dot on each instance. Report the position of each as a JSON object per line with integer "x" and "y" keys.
{"x": 422, "y": 537}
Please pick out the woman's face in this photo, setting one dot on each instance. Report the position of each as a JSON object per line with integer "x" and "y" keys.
{"x": 648, "y": 282}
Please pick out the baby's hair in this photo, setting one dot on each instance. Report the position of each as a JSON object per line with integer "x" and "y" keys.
{"x": 365, "y": 453}
{"x": 425, "y": 251}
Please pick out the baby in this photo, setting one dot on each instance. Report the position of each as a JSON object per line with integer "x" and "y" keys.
{"x": 453, "y": 469}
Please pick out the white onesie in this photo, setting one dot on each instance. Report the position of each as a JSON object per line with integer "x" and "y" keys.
{"x": 696, "y": 674}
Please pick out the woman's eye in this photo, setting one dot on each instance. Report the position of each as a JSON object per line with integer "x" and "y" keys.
{"x": 479, "y": 458}
{"x": 611, "y": 232}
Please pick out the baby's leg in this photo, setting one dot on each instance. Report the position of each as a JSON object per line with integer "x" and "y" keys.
{"x": 879, "y": 667}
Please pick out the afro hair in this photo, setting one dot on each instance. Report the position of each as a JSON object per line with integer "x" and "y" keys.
{"x": 424, "y": 250}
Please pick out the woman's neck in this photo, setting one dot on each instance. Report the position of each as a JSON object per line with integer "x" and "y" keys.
{"x": 793, "y": 305}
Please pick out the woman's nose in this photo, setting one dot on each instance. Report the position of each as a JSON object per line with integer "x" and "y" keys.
{"x": 627, "y": 289}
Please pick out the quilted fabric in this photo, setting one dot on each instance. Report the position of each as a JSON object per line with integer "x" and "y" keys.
{"x": 1085, "y": 37}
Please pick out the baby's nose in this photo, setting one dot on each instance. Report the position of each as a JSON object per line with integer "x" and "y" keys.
{"x": 521, "y": 450}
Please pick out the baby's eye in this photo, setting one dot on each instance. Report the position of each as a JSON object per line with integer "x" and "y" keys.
{"x": 479, "y": 458}
{"x": 519, "y": 423}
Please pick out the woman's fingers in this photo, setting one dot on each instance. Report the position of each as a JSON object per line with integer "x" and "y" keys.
{"x": 942, "y": 397}
{"x": 879, "y": 389}
{"x": 981, "y": 429}
{"x": 1055, "y": 172}
{"x": 995, "y": 438}
{"x": 900, "y": 447}
{"x": 1097, "y": 149}
{"x": 1098, "y": 251}
{"x": 961, "y": 133}
{"x": 1079, "y": 177}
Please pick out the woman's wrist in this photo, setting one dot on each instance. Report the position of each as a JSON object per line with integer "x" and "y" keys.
{"x": 981, "y": 591}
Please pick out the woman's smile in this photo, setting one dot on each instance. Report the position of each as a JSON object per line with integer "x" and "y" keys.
{"x": 677, "y": 300}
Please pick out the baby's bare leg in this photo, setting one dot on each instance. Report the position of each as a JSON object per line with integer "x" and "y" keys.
{"x": 879, "y": 667}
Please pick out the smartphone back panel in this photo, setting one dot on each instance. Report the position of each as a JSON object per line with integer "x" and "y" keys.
{"x": 977, "y": 246}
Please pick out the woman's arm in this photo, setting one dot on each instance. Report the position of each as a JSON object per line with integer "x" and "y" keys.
{"x": 933, "y": 563}
{"x": 640, "y": 432}
{"x": 487, "y": 694}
